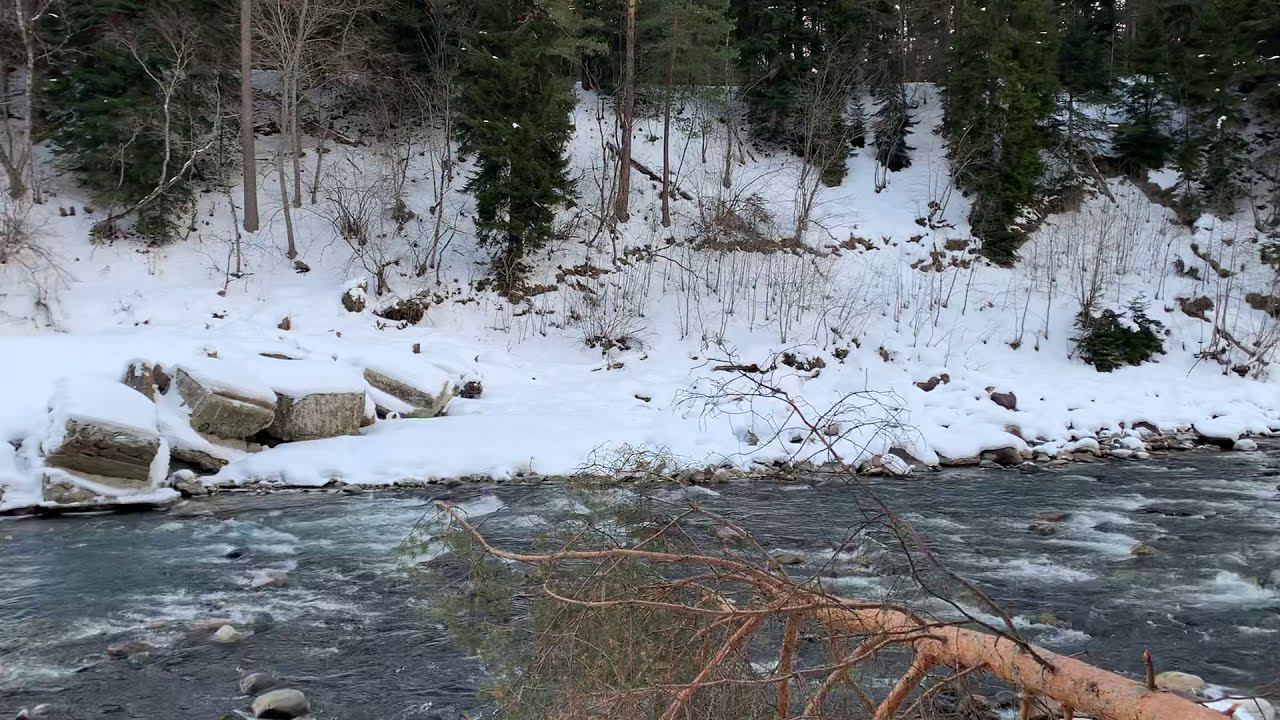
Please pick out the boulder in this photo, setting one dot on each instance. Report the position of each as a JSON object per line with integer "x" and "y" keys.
{"x": 1006, "y": 400}
{"x": 186, "y": 483}
{"x": 62, "y": 492}
{"x": 318, "y": 415}
{"x": 427, "y": 400}
{"x": 1174, "y": 681}
{"x": 1245, "y": 445}
{"x": 204, "y": 629}
{"x": 103, "y": 430}
{"x": 471, "y": 390}
{"x": 282, "y": 704}
{"x": 1006, "y": 457}
{"x": 184, "y": 456}
{"x": 147, "y": 378}
{"x": 255, "y": 683}
{"x": 356, "y": 298}
{"x": 220, "y": 409}
{"x": 783, "y": 557}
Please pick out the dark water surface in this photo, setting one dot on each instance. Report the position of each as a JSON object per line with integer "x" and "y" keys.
{"x": 351, "y": 631}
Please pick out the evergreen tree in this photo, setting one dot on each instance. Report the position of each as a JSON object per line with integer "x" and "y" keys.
{"x": 519, "y": 61}
{"x": 1085, "y": 68}
{"x": 1000, "y": 91}
{"x": 103, "y": 108}
{"x": 887, "y": 45}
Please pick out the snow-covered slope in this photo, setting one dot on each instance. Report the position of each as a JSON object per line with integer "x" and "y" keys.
{"x": 884, "y": 289}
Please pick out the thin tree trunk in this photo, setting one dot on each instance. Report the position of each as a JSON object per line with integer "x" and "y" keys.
{"x": 247, "y": 149}
{"x": 295, "y": 140}
{"x": 623, "y": 198}
{"x": 292, "y": 251}
{"x": 29, "y": 144}
{"x": 315, "y": 181}
{"x": 666, "y": 132}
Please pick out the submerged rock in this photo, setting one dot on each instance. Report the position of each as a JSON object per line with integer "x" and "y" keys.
{"x": 1174, "y": 681}
{"x": 127, "y": 649}
{"x": 228, "y": 635}
{"x": 1143, "y": 550}
{"x": 282, "y": 704}
{"x": 270, "y": 579}
{"x": 255, "y": 683}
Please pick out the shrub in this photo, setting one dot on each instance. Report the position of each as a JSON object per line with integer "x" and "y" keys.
{"x": 1112, "y": 339}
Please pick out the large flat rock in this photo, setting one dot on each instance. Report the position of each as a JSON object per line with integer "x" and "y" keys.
{"x": 223, "y": 409}
{"x": 104, "y": 430}
{"x": 317, "y": 415}
{"x": 426, "y": 393}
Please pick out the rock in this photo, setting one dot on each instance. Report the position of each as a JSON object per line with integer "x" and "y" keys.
{"x": 1042, "y": 528}
{"x": 356, "y": 298}
{"x": 116, "y": 455}
{"x": 286, "y": 324}
{"x": 222, "y": 412}
{"x": 282, "y": 704}
{"x": 1174, "y": 681}
{"x": 352, "y": 490}
{"x": 194, "y": 458}
{"x": 203, "y": 629}
{"x": 730, "y": 535}
{"x": 270, "y": 579}
{"x": 1008, "y": 400}
{"x": 427, "y": 402}
{"x": 318, "y": 415}
{"x": 783, "y": 557}
{"x": 234, "y": 554}
{"x": 1245, "y": 445}
{"x": 1007, "y": 457}
{"x": 147, "y": 378}
{"x": 255, "y": 683}
{"x": 188, "y": 509}
{"x": 127, "y": 649}
{"x": 1143, "y": 550}
{"x": 62, "y": 492}
{"x": 1054, "y": 517}
{"x": 185, "y": 482}
{"x": 229, "y": 635}
{"x": 933, "y": 382}
{"x": 471, "y": 390}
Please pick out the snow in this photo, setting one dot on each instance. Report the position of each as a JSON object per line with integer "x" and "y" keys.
{"x": 91, "y": 401}
{"x": 552, "y": 405}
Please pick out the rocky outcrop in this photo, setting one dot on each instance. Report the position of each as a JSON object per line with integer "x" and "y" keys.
{"x": 425, "y": 401}
{"x": 220, "y": 411}
{"x": 116, "y": 456}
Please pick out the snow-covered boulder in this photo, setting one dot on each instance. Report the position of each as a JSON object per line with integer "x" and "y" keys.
{"x": 147, "y": 378}
{"x": 224, "y": 399}
{"x": 104, "y": 430}
{"x": 314, "y": 398}
{"x": 426, "y": 390}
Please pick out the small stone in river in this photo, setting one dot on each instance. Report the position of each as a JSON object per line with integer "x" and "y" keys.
{"x": 1245, "y": 445}
{"x": 284, "y": 704}
{"x": 1053, "y": 516}
{"x": 255, "y": 683}
{"x": 127, "y": 649}
{"x": 229, "y": 635}
{"x": 234, "y": 554}
{"x": 205, "y": 628}
{"x": 1143, "y": 550}
{"x": 352, "y": 489}
{"x": 270, "y": 579}
{"x": 1175, "y": 681}
{"x": 1042, "y": 528}
{"x": 730, "y": 535}
{"x": 783, "y": 557}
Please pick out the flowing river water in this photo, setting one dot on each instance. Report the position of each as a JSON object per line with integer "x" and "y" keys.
{"x": 350, "y": 628}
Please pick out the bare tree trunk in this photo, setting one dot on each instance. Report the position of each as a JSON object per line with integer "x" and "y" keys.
{"x": 28, "y": 159}
{"x": 623, "y": 198}
{"x": 292, "y": 251}
{"x": 315, "y": 181}
{"x": 295, "y": 142}
{"x": 666, "y": 133}
{"x": 249, "y": 159}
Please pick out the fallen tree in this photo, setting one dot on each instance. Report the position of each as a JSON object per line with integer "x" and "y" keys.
{"x": 702, "y": 617}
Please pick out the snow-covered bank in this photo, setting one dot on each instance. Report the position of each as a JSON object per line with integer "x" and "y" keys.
{"x": 899, "y": 336}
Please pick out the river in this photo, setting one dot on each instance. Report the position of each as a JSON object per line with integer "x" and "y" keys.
{"x": 350, "y": 630}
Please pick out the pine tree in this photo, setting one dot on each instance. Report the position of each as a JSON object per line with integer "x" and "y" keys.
{"x": 1085, "y": 67}
{"x": 1000, "y": 90}
{"x": 887, "y": 45}
{"x": 103, "y": 109}
{"x": 519, "y": 60}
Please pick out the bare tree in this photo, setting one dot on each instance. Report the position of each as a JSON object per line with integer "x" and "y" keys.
{"x": 628, "y": 118}
{"x": 824, "y": 135}
{"x": 248, "y": 159}
{"x": 17, "y": 153}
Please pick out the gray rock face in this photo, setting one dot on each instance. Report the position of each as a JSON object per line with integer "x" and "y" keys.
{"x": 282, "y": 704}
{"x": 222, "y": 414}
{"x": 120, "y": 457}
{"x": 428, "y": 402}
{"x": 311, "y": 417}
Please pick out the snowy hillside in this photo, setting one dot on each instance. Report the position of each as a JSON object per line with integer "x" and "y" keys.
{"x": 881, "y": 324}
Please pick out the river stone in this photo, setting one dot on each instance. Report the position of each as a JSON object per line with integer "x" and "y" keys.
{"x": 1042, "y": 528}
{"x": 316, "y": 416}
{"x": 181, "y": 455}
{"x": 1005, "y": 457}
{"x": 255, "y": 683}
{"x": 221, "y": 413}
{"x": 283, "y": 704}
{"x": 127, "y": 649}
{"x": 427, "y": 402}
{"x": 1143, "y": 550}
{"x": 115, "y": 456}
{"x": 228, "y": 635}
{"x": 1174, "y": 681}
{"x": 270, "y": 579}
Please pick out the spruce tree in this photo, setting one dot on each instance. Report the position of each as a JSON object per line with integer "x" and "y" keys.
{"x": 103, "y": 109}
{"x": 1000, "y": 90}
{"x": 519, "y": 61}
